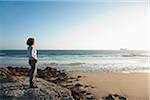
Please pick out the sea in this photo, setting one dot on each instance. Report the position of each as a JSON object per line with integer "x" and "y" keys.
{"x": 80, "y": 60}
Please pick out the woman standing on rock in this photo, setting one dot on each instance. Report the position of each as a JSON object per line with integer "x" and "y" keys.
{"x": 32, "y": 54}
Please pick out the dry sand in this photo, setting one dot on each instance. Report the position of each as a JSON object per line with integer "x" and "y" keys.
{"x": 134, "y": 86}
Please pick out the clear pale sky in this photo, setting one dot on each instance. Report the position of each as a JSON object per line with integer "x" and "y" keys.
{"x": 70, "y": 24}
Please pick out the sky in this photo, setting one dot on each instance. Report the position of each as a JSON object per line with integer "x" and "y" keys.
{"x": 74, "y": 24}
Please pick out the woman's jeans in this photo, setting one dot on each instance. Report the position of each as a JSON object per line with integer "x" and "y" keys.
{"x": 33, "y": 72}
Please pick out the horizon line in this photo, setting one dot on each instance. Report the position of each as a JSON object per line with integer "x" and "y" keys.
{"x": 87, "y": 49}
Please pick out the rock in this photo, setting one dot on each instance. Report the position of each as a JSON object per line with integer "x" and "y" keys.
{"x": 46, "y": 90}
{"x": 5, "y": 75}
{"x": 83, "y": 92}
{"x": 88, "y": 93}
{"x": 69, "y": 81}
{"x": 79, "y": 92}
{"x": 114, "y": 97}
{"x": 78, "y": 85}
{"x": 90, "y": 97}
{"x": 71, "y": 77}
{"x": 49, "y": 72}
{"x": 79, "y": 76}
{"x": 109, "y": 97}
{"x": 122, "y": 98}
{"x": 18, "y": 71}
{"x": 86, "y": 86}
{"x": 92, "y": 87}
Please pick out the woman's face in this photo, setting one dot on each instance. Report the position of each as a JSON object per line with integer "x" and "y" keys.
{"x": 33, "y": 42}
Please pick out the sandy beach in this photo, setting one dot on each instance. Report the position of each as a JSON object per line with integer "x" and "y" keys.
{"x": 133, "y": 86}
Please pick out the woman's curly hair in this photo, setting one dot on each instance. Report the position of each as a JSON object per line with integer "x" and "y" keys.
{"x": 30, "y": 41}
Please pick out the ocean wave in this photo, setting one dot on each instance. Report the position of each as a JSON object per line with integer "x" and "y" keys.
{"x": 103, "y": 68}
{"x": 99, "y": 65}
{"x": 67, "y": 64}
{"x": 134, "y": 55}
{"x": 119, "y": 55}
{"x": 2, "y": 54}
{"x": 76, "y": 63}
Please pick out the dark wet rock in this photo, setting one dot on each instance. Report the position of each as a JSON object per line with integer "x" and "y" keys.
{"x": 86, "y": 86}
{"x": 69, "y": 82}
{"x": 76, "y": 95}
{"x": 92, "y": 87}
{"x": 5, "y": 75}
{"x": 71, "y": 78}
{"x": 114, "y": 97}
{"x": 90, "y": 97}
{"x": 88, "y": 93}
{"x": 49, "y": 74}
{"x": 122, "y": 98}
{"x": 17, "y": 71}
{"x": 78, "y": 85}
{"x": 89, "y": 86}
{"x": 79, "y": 76}
{"x": 83, "y": 92}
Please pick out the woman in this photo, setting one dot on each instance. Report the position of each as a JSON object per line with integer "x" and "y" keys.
{"x": 32, "y": 54}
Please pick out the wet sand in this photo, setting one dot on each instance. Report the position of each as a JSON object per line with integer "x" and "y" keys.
{"x": 133, "y": 86}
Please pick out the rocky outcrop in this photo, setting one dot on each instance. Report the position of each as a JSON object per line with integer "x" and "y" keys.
{"x": 52, "y": 85}
{"x": 19, "y": 89}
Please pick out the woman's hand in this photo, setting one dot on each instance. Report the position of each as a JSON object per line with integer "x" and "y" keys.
{"x": 33, "y": 59}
